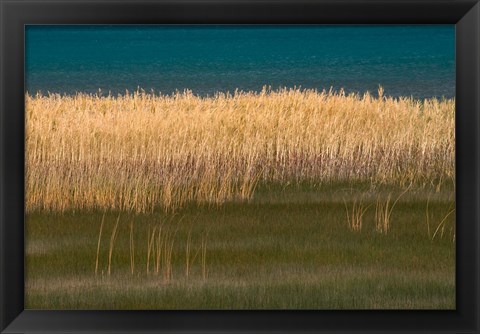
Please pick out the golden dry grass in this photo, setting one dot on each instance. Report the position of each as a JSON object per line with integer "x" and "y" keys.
{"x": 142, "y": 151}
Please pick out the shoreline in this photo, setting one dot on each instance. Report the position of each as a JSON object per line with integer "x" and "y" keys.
{"x": 231, "y": 93}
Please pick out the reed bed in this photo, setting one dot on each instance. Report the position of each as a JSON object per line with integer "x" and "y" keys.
{"x": 141, "y": 151}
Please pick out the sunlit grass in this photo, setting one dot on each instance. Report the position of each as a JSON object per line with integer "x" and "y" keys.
{"x": 140, "y": 151}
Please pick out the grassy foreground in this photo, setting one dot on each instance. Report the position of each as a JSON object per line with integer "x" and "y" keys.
{"x": 294, "y": 251}
{"x": 282, "y": 199}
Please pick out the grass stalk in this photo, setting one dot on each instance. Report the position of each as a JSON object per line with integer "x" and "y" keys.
{"x": 98, "y": 244}
{"x": 112, "y": 242}
{"x": 132, "y": 249}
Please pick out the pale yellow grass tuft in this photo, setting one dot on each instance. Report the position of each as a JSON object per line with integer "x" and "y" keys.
{"x": 355, "y": 214}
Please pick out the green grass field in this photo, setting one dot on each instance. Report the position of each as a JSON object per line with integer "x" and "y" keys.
{"x": 289, "y": 248}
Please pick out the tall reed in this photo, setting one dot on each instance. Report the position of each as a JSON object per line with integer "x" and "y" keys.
{"x": 150, "y": 245}
{"x": 203, "y": 249}
{"x": 113, "y": 237}
{"x": 132, "y": 249}
{"x": 98, "y": 244}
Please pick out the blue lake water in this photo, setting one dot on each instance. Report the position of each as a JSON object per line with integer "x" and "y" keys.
{"x": 414, "y": 61}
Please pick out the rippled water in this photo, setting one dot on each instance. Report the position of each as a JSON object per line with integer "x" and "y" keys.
{"x": 405, "y": 60}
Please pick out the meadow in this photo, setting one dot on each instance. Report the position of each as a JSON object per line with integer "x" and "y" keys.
{"x": 285, "y": 199}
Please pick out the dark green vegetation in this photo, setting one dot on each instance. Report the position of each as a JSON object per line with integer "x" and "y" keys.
{"x": 289, "y": 248}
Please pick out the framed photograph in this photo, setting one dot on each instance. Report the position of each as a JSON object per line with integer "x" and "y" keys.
{"x": 240, "y": 166}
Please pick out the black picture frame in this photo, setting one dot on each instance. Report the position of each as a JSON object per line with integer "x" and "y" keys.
{"x": 15, "y": 14}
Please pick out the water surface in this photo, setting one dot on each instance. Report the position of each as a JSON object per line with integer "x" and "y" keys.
{"x": 414, "y": 61}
